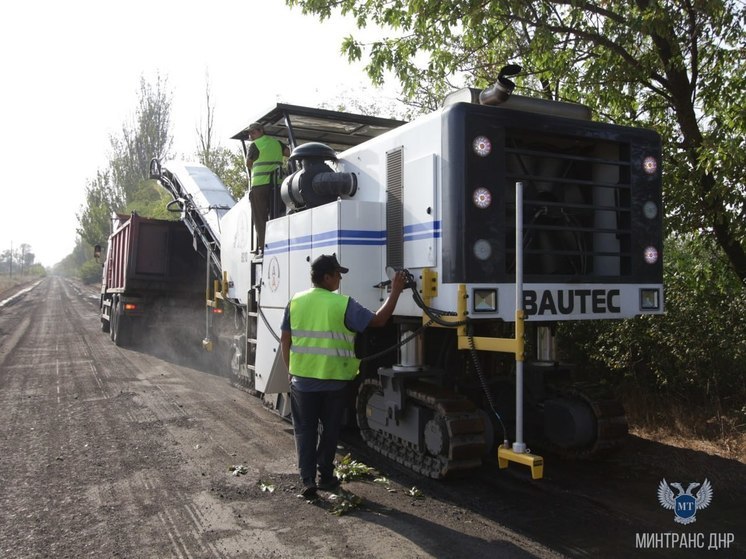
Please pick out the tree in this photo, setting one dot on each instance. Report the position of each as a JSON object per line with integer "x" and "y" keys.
{"x": 147, "y": 137}
{"x": 24, "y": 256}
{"x": 125, "y": 186}
{"x": 70, "y": 265}
{"x": 675, "y": 65}
{"x": 693, "y": 356}
{"x": 102, "y": 199}
{"x": 227, "y": 164}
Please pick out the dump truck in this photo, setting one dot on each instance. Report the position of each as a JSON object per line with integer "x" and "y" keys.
{"x": 154, "y": 271}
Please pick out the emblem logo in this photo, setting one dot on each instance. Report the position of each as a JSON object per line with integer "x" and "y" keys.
{"x": 273, "y": 274}
{"x": 684, "y": 505}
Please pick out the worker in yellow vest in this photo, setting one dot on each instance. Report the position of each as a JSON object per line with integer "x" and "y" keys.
{"x": 263, "y": 159}
{"x": 318, "y": 346}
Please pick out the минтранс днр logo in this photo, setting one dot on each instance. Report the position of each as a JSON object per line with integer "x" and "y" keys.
{"x": 685, "y": 504}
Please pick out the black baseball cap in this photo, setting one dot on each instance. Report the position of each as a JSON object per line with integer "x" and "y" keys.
{"x": 327, "y": 264}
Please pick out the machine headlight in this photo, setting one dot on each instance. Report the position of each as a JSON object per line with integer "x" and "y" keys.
{"x": 651, "y": 255}
{"x": 650, "y": 299}
{"x": 482, "y": 198}
{"x": 482, "y": 146}
{"x": 482, "y": 249}
{"x": 485, "y": 300}
{"x": 650, "y": 165}
{"x": 650, "y": 209}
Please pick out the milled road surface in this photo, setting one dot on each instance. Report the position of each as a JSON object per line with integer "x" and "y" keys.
{"x": 109, "y": 452}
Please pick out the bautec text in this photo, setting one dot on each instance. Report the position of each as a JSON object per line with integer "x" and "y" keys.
{"x": 571, "y": 301}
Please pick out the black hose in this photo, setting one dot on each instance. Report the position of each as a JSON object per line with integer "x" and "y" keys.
{"x": 483, "y": 379}
{"x": 406, "y": 340}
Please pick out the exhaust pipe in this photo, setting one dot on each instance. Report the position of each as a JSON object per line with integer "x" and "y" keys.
{"x": 503, "y": 87}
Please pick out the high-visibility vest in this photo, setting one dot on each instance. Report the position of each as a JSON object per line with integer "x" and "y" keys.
{"x": 322, "y": 346}
{"x": 270, "y": 158}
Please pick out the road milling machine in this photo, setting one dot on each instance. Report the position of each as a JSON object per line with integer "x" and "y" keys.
{"x": 490, "y": 273}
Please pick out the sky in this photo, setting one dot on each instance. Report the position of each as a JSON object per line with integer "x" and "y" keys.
{"x": 71, "y": 74}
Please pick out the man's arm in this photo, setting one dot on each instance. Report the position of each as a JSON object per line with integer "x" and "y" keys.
{"x": 252, "y": 156}
{"x": 387, "y": 309}
{"x": 285, "y": 345}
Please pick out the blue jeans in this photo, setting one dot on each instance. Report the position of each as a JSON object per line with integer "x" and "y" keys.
{"x": 309, "y": 409}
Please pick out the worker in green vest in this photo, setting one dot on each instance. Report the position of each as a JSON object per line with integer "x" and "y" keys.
{"x": 318, "y": 346}
{"x": 263, "y": 159}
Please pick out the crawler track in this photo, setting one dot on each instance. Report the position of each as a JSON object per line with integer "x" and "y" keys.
{"x": 611, "y": 421}
{"x": 457, "y": 427}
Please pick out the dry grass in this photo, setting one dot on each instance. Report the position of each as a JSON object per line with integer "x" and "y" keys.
{"x": 732, "y": 446}
{"x": 7, "y": 283}
{"x": 686, "y": 425}
{"x": 683, "y": 427}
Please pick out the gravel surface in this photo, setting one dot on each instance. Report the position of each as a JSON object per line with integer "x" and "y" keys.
{"x": 109, "y": 452}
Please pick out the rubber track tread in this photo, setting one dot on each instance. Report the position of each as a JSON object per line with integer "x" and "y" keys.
{"x": 463, "y": 422}
{"x": 611, "y": 429}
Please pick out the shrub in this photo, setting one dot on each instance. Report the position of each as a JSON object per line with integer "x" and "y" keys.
{"x": 90, "y": 272}
{"x": 692, "y": 358}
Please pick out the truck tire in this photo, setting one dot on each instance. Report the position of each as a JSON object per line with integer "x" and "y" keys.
{"x": 121, "y": 329}
{"x": 105, "y": 324}
{"x": 113, "y": 317}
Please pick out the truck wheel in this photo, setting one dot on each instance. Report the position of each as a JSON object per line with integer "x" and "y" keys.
{"x": 105, "y": 324}
{"x": 113, "y": 317}
{"x": 121, "y": 329}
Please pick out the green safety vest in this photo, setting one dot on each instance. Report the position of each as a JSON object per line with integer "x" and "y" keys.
{"x": 270, "y": 158}
{"x": 322, "y": 346}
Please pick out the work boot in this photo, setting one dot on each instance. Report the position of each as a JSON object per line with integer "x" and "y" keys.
{"x": 309, "y": 489}
{"x": 329, "y": 484}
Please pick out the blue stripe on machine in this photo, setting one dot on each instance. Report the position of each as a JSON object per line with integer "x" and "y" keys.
{"x": 420, "y": 231}
{"x": 421, "y": 227}
{"x": 352, "y": 237}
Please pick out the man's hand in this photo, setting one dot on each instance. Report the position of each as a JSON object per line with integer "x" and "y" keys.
{"x": 398, "y": 282}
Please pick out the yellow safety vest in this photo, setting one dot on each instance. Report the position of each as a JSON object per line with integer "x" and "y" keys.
{"x": 322, "y": 346}
{"x": 270, "y": 158}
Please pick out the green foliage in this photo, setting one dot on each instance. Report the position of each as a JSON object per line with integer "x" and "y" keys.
{"x": 148, "y": 136}
{"x": 695, "y": 354}
{"x": 19, "y": 261}
{"x": 124, "y": 186}
{"x": 37, "y": 270}
{"x": 149, "y": 199}
{"x": 70, "y": 265}
{"x": 229, "y": 166}
{"x": 348, "y": 469}
{"x": 90, "y": 272}
{"x": 674, "y": 65}
{"x": 94, "y": 218}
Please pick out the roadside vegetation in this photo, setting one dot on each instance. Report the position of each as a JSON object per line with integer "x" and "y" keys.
{"x": 681, "y": 374}
{"x": 18, "y": 266}
{"x": 8, "y": 283}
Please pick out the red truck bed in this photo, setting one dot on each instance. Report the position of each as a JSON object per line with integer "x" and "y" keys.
{"x": 151, "y": 254}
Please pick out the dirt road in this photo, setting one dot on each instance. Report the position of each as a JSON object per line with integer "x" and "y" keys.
{"x": 109, "y": 452}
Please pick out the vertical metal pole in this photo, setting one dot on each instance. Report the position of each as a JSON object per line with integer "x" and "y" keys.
{"x": 208, "y": 294}
{"x": 519, "y": 445}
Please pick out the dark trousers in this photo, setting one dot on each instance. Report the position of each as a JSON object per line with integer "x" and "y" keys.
{"x": 309, "y": 409}
{"x": 260, "y": 198}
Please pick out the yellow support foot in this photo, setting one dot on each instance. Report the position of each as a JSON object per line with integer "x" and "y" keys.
{"x": 536, "y": 463}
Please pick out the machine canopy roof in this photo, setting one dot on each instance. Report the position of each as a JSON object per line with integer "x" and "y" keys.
{"x": 297, "y": 125}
